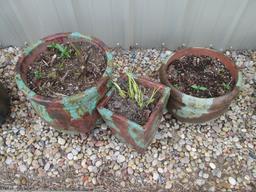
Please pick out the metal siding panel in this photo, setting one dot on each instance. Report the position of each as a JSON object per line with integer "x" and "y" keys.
{"x": 14, "y": 33}
{"x": 149, "y": 23}
{"x": 66, "y": 15}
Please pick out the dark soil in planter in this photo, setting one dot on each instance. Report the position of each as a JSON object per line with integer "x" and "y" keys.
{"x": 54, "y": 76}
{"x": 129, "y": 108}
{"x": 202, "y": 76}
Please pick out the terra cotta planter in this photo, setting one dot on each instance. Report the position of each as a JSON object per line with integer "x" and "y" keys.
{"x": 4, "y": 104}
{"x": 138, "y": 136}
{"x": 71, "y": 113}
{"x": 192, "y": 109}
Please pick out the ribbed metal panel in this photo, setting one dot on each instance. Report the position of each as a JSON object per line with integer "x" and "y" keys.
{"x": 147, "y": 23}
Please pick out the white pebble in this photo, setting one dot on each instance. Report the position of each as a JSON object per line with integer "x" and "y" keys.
{"x": 155, "y": 176}
{"x": 212, "y": 165}
{"x": 23, "y": 168}
{"x": 120, "y": 158}
{"x": 98, "y": 163}
{"x": 61, "y": 141}
{"x": 47, "y": 166}
{"x": 232, "y": 181}
{"x": 70, "y": 156}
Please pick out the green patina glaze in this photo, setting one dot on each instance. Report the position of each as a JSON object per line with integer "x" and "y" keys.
{"x": 41, "y": 110}
{"x": 153, "y": 130}
{"x": 22, "y": 86}
{"x": 29, "y": 49}
{"x": 166, "y": 59}
{"x": 134, "y": 131}
{"x": 108, "y": 71}
{"x": 239, "y": 82}
{"x": 194, "y": 107}
{"x": 110, "y": 92}
{"x": 79, "y": 35}
{"x": 165, "y": 97}
{"x": 109, "y": 56}
{"x": 107, "y": 116}
{"x": 78, "y": 105}
{"x": 166, "y": 94}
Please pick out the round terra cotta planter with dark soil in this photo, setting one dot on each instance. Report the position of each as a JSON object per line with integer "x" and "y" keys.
{"x": 192, "y": 109}
{"x": 70, "y": 113}
{"x": 136, "y": 135}
{"x": 4, "y": 104}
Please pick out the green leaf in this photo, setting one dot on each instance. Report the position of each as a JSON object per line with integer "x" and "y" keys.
{"x": 38, "y": 74}
{"x": 64, "y": 51}
{"x": 120, "y": 91}
{"x": 199, "y": 88}
{"x": 226, "y": 86}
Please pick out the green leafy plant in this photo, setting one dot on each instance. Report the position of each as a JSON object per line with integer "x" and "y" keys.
{"x": 198, "y": 88}
{"x": 38, "y": 75}
{"x": 152, "y": 97}
{"x": 121, "y": 92}
{"x": 176, "y": 86}
{"x": 64, "y": 51}
{"x": 135, "y": 93}
{"x": 130, "y": 85}
{"x": 226, "y": 86}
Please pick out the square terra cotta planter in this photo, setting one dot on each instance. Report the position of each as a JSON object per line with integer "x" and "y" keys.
{"x": 137, "y": 136}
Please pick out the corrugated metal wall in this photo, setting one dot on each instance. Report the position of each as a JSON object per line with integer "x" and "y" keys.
{"x": 147, "y": 23}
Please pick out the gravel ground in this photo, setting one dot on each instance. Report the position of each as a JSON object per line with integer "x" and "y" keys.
{"x": 216, "y": 156}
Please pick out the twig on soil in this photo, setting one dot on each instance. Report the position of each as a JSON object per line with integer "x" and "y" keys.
{"x": 53, "y": 58}
{"x": 45, "y": 62}
{"x": 84, "y": 67}
{"x": 65, "y": 75}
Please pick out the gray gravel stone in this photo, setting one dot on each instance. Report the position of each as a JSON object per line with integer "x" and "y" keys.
{"x": 188, "y": 156}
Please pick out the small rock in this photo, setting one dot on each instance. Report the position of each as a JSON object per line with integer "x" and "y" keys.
{"x": 61, "y": 141}
{"x": 168, "y": 185}
{"x": 212, "y": 165}
{"x": 83, "y": 163}
{"x": 205, "y": 175}
{"x": 188, "y": 147}
{"x": 23, "y": 168}
{"x": 8, "y": 161}
{"x": 104, "y": 126}
{"x": 160, "y": 170}
{"x": 47, "y": 166}
{"x": 216, "y": 172}
{"x": 130, "y": 171}
{"x": 156, "y": 176}
{"x": 232, "y": 181}
{"x": 161, "y": 157}
{"x": 98, "y": 163}
{"x": 200, "y": 182}
{"x": 120, "y": 158}
{"x": 70, "y": 156}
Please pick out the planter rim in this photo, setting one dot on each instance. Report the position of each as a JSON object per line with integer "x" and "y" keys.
{"x": 165, "y": 91}
{"x": 31, "y": 95}
{"x": 185, "y": 52}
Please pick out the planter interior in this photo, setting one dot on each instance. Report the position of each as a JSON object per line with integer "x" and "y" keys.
{"x": 192, "y": 109}
{"x": 138, "y": 136}
{"x": 71, "y": 113}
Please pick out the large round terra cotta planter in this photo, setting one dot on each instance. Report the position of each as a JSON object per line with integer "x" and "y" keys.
{"x": 192, "y": 109}
{"x": 71, "y": 113}
{"x": 4, "y": 104}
